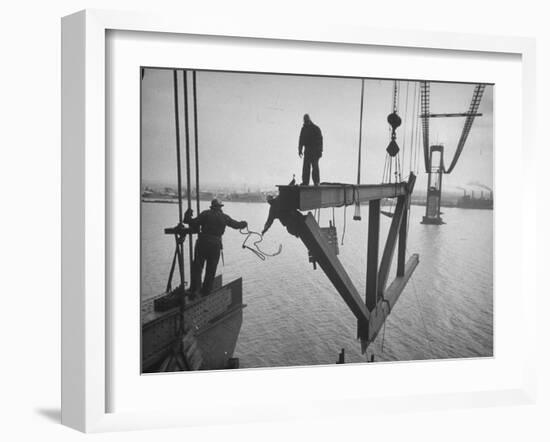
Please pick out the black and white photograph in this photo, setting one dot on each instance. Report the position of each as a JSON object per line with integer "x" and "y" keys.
{"x": 301, "y": 220}
{"x": 276, "y": 221}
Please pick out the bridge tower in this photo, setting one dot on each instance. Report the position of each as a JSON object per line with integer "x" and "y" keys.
{"x": 433, "y": 195}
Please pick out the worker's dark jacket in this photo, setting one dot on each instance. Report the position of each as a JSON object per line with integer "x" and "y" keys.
{"x": 212, "y": 225}
{"x": 288, "y": 218}
{"x": 312, "y": 138}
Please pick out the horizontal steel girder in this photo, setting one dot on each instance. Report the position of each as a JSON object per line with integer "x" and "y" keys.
{"x": 336, "y": 195}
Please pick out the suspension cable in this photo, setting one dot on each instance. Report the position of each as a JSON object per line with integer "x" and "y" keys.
{"x": 425, "y": 110}
{"x": 360, "y": 132}
{"x": 196, "y": 129}
{"x": 418, "y": 138}
{"x": 419, "y": 135}
{"x": 178, "y": 155}
{"x": 405, "y": 125}
{"x": 187, "y": 158}
{"x": 357, "y": 214}
{"x": 179, "y": 246}
{"x": 474, "y": 105}
{"x": 413, "y": 128}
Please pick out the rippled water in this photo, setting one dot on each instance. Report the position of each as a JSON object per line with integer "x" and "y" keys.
{"x": 295, "y": 317}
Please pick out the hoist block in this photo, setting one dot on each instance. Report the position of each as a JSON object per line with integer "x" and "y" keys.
{"x": 393, "y": 148}
{"x": 394, "y": 120}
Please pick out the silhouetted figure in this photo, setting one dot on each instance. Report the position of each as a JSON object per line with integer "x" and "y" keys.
{"x": 311, "y": 139}
{"x": 212, "y": 225}
{"x": 293, "y": 182}
{"x": 288, "y": 218}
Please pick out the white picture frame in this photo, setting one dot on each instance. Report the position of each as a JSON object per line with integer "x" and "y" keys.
{"x": 85, "y": 203}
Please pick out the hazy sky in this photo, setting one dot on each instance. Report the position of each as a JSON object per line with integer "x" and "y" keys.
{"x": 249, "y": 126}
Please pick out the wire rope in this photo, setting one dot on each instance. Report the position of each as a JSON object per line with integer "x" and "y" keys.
{"x": 257, "y": 250}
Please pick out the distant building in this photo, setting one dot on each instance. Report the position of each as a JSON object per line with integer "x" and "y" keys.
{"x": 471, "y": 202}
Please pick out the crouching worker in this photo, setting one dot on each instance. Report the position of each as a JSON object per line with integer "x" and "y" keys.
{"x": 210, "y": 224}
{"x": 288, "y": 218}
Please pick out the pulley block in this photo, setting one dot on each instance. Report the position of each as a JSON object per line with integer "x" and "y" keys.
{"x": 392, "y": 148}
{"x": 394, "y": 120}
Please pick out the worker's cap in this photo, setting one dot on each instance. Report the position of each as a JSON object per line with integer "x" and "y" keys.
{"x": 216, "y": 203}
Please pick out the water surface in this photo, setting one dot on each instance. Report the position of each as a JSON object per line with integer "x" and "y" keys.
{"x": 295, "y": 317}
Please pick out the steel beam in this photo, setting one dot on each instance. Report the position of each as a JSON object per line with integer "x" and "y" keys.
{"x": 379, "y": 301}
{"x": 391, "y": 242}
{"x": 336, "y": 195}
{"x": 390, "y": 297}
{"x": 311, "y": 235}
{"x": 372, "y": 254}
{"x": 397, "y": 227}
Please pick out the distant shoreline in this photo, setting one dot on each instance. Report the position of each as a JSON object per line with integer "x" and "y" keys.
{"x": 175, "y": 201}
{"x": 414, "y": 203}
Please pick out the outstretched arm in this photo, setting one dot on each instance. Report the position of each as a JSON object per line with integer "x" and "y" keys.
{"x": 270, "y": 219}
{"x": 235, "y": 224}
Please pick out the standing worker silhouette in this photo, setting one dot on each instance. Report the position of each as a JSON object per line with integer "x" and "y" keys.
{"x": 311, "y": 139}
{"x": 212, "y": 225}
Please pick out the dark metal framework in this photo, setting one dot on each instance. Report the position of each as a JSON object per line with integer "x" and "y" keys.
{"x": 379, "y": 297}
